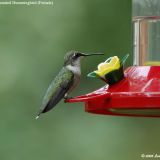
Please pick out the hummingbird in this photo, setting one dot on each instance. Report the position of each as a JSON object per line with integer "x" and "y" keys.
{"x": 66, "y": 80}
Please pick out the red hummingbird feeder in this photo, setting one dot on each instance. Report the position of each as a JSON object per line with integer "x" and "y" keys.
{"x": 138, "y": 92}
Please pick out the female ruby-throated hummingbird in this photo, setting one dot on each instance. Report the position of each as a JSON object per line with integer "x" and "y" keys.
{"x": 67, "y": 79}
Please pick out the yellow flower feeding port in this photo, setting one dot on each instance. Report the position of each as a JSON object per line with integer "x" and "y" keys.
{"x": 110, "y": 71}
{"x": 110, "y": 64}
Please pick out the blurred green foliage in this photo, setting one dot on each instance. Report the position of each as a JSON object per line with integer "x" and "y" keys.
{"x": 33, "y": 41}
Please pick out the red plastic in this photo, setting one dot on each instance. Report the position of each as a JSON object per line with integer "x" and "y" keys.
{"x": 138, "y": 94}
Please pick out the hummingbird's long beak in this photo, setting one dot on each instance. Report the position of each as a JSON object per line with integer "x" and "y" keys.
{"x": 90, "y": 54}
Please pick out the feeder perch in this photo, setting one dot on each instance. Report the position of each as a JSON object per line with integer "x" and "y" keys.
{"x": 137, "y": 92}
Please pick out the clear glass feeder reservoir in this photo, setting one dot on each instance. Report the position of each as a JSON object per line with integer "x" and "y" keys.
{"x": 138, "y": 93}
{"x": 146, "y": 40}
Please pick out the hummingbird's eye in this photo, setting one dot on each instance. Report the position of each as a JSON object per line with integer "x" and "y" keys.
{"x": 75, "y": 56}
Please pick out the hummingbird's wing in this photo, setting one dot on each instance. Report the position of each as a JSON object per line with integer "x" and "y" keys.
{"x": 57, "y": 89}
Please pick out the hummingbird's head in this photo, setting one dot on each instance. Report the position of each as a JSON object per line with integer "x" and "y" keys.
{"x": 73, "y": 57}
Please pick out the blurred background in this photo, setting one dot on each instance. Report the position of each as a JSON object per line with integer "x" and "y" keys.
{"x": 33, "y": 42}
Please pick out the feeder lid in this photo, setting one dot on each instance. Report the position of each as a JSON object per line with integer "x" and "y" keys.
{"x": 138, "y": 94}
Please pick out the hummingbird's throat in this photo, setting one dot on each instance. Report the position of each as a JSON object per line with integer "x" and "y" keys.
{"x": 74, "y": 69}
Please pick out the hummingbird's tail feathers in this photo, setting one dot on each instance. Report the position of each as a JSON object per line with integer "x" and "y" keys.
{"x": 37, "y": 117}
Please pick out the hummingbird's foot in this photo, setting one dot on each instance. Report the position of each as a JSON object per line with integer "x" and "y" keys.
{"x": 66, "y": 98}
